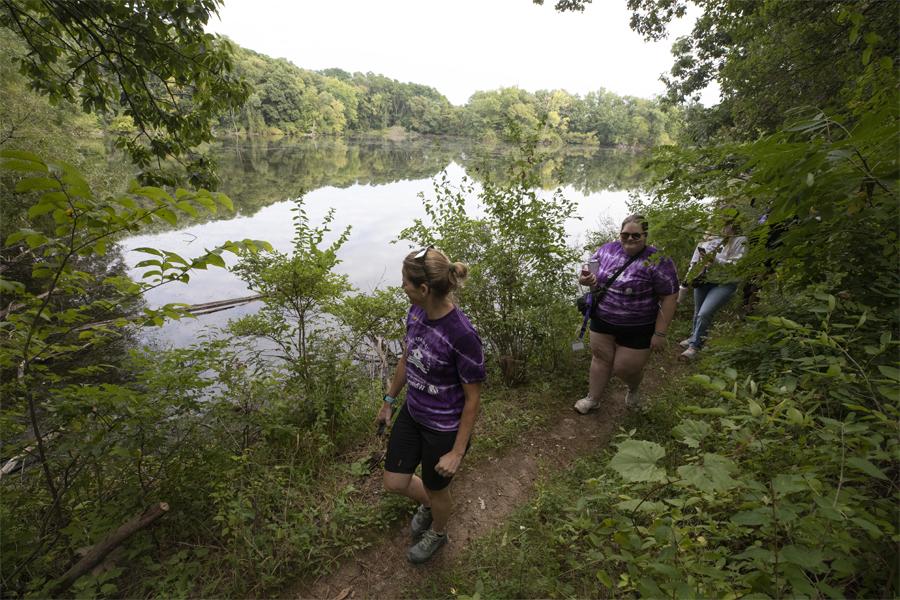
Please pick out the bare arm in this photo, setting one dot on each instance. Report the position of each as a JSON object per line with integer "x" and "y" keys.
{"x": 449, "y": 463}
{"x": 667, "y": 305}
{"x": 399, "y": 378}
{"x": 397, "y": 383}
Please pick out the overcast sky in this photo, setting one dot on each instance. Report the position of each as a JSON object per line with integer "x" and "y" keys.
{"x": 460, "y": 46}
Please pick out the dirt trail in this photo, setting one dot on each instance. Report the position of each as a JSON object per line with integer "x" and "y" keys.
{"x": 484, "y": 495}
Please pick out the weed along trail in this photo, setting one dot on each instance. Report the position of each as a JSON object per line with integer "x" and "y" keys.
{"x": 484, "y": 494}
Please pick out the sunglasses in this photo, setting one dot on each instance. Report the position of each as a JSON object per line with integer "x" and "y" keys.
{"x": 421, "y": 254}
{"x": 631, "y": 236}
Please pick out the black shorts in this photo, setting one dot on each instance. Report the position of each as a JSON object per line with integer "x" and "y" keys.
{"x": 412, "y": 443}
{"x": 636, "y": 337}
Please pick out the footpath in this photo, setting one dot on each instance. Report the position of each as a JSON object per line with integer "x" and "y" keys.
{"x": 485, "y": 493}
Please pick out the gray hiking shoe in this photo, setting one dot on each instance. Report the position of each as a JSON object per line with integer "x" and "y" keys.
{"x": 421, "y": 521}
{"x": 633, "y": 399}
{"x": 425, "y": 548}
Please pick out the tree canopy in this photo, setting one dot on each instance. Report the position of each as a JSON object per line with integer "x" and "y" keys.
{"x": 149, "y": 60}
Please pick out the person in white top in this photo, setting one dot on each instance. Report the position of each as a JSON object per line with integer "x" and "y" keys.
{"x": 710, "y": 282}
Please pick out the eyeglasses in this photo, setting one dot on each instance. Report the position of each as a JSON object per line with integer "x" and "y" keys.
{"x": 421, "y": 254}
{"x": 625, "y": 235}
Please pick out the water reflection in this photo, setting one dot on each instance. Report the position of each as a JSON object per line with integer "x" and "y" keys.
{"x": 373, "y": 187}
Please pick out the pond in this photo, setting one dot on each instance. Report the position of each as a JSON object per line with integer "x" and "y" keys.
{"x": 374, "y": 187}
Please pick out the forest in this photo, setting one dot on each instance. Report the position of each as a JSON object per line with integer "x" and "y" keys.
{"x": 290, "y": 100}
{"x": 769, "y": 469}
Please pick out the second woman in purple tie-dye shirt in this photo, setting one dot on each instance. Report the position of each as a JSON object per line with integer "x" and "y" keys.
{"x": 633, "y": 315}
{"x": 442, "y": 367}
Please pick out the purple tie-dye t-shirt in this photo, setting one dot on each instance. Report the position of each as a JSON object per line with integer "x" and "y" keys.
{"x": 633, "y": 298}
{"x": 441, "y": 355}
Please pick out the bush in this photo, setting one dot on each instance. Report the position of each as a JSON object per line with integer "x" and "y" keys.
{"x": 520, "y": 287}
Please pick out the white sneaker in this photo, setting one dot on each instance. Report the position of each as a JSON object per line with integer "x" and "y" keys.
{"x": 689, "y": 354}
{"x": 633, "y": 399}
{"x": 686, "y": 342}
{"x": 586, "y": 405}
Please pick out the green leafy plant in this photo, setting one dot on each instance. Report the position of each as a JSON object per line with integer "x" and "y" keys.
{"x": 519, "y": 287}
{"x": 52, "y": 402}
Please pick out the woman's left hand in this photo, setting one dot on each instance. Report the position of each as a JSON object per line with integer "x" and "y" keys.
{"x": 658, "y": 343}
{"x": 448, "y": 464}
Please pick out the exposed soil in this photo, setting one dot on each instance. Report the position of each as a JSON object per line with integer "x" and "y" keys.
{"x": 484, "y": 494}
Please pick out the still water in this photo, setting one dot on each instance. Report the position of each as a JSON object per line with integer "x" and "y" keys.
{"x": 374, "y": 187}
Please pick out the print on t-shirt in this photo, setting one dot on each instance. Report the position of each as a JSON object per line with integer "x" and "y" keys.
{"x": 416, "y": 356}
{"x": 441, "y": 355}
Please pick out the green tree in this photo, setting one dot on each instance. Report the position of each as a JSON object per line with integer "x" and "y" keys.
{"x": 298, "y": 289}
{"x": 791, "y": 54}
{"x": 519, "y": 290}
{"x": 150, "y": 60}
{"x": 47, "y": 325}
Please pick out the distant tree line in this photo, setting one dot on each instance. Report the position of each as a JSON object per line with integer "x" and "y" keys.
{"x": 293, "y": 101}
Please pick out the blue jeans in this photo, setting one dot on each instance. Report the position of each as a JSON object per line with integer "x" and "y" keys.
{"x": 708, "y": 299}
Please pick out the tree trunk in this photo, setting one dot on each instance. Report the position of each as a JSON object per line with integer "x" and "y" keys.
{"x": 99, "y": 551}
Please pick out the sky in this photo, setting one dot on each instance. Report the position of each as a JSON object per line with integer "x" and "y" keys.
{"x": 460, "y": 46}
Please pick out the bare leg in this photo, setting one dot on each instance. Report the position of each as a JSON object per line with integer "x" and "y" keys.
{"x": 628, "y": 365}
{"x": 440, "y": 508}
{"x": 406, "y": 485}
{"x": 603, "y": 353}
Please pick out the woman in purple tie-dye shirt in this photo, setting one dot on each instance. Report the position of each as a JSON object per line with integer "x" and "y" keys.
{"x": 443, "y": 367}
{"x": 633, "y": 315}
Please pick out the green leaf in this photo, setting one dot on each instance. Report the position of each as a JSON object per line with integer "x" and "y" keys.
{"x": 158, "y": 195}
{"x": 168, "y": 215}
{"x": 152, "y": 251}
{"x": 867, "y": 55}
{"x": 789, "y": 484}
{"x": 891, "y": 392}
{"x": 225, "y": 201}
{"x": 648, "y": 588}
{"x": 756, "y": 553}
{"x": 716, "y": 411}
{"x": 794, "y": 416}
{"x": 214, "y": 259}
{"x": 870, "y": 528}
{"x": 713, "y": 476}
{"x": 36, "y": 184}
{"x": 755, "y": 408}
{"x": 21, "y": 155}
{"x": 126, "y": 201}
{"x": 604, "y": 578}
{"x": 803, "y": 556}
{"x": 24, "y": 165}
{"x": 755, "y": 517}
{"x": 108, "y": 589}
{"x": 636, "y": 461}
{"x": 148, "y": 263}
{"x": 888, "y": 371}
{"x": 11, "y": 287}
{"x": 41, "y": 208}
{"x": 35, "y": 240}
{"x": 690, "y": 432}
{"x": 175, "y": 258}
{"x": 861, "y": 464}
{"x": 187, "y": 207}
